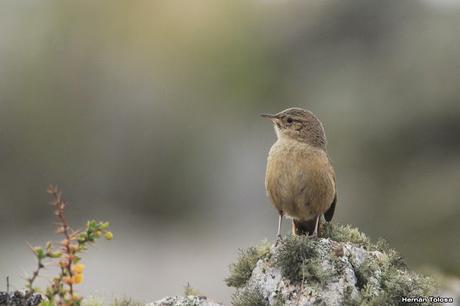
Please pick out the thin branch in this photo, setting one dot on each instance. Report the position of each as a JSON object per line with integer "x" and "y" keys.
{"x": 63, "y": 227}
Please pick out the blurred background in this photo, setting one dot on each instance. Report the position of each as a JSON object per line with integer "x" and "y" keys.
{"x": 145, "y": 113}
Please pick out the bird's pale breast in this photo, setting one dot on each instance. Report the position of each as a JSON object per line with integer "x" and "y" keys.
{"x": 299, "y": 180}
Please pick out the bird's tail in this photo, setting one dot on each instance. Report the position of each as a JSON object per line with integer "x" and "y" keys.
{"x": 304, "y": 227}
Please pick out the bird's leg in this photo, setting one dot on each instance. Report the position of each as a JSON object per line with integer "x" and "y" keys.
{"x": 315, "y": 232}
{"x": 280, "y": 221}
{"x": 293, "y": 228}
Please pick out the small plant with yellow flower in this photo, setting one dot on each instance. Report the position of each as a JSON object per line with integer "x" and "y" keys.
{"x": 66, "y": 255}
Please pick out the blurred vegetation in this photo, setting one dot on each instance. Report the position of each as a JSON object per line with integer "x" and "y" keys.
{"x": 116, "y": 302}
{"x": 149, "y": 110}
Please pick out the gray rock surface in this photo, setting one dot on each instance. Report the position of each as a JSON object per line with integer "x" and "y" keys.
{"x": 190, "y": 300}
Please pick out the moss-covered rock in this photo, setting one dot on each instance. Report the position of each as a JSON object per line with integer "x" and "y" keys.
{"x": 240, "y": 272}
{"x": 341, "y": 267}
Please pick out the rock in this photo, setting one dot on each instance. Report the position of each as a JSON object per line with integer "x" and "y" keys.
{"x": 190, "y": 300}
{"x": 20, "y": 298}
{"x": 342, "y": 267}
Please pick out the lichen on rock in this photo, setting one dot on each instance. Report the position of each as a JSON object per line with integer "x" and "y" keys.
{"x": 341, "y": 267}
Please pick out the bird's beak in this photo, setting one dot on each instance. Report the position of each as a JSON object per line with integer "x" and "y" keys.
{"x": 269, "y": 116}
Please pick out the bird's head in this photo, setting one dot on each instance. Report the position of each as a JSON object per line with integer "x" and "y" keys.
{"x": 299, "y": 124}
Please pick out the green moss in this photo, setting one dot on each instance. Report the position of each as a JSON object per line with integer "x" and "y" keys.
{"x": 392, "y": 281}
{"x": 344, "y": 233}
{"x": 365, "y": 271}
{"x": 367, "y": 293}
{"x": 312, "y": 272}
{"x": 294, "y": 257}
{"x": 381, "y": 245}
{"x": 339, "y": 265}
{"x": 249, "y": 297}
{"x": 241, "y": 271}
{"x": 392, "y": 256}
{"x": 396, "y": 283}
{"x": 279, "y": 301}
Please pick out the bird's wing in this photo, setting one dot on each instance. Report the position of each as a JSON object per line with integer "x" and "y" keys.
{"x": 330, "y": 212}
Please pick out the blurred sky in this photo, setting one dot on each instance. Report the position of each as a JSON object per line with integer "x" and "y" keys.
{"x": 146, "y": 114}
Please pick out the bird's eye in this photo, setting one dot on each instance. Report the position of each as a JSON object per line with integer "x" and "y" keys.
{"x": 289, "y": 120}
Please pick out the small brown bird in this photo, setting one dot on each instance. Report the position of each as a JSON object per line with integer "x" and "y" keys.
{"x": 300, "y": 180}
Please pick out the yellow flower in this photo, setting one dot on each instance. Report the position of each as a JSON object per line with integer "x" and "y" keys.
{"x": 77, "y": 278}
{"x": 78, "y": 268}
{"x": 108, "y": 235}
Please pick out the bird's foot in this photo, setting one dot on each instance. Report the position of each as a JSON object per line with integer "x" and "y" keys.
{"x": 278, "y": 240}
{"x": 314, "y": 235}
